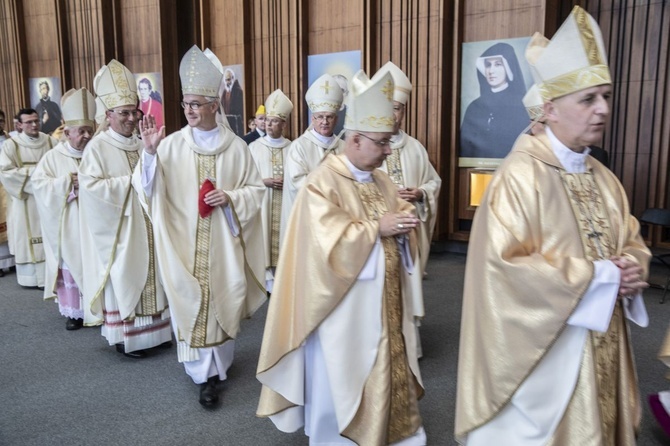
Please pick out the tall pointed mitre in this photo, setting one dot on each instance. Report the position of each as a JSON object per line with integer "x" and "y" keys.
{"x": 370, "y": 103}
{"x": 114, "y": 84}
{"x": 220, "y": 117}
{"x": 534, "y": 104}
{"x": 199, "y": 76}
{"x": 402, "y": 86}
{"x": 278, "y": 105}
{"x": 574, "y": 59}
{"x": 324, "y": 95}
{"x": 78, "y": 108}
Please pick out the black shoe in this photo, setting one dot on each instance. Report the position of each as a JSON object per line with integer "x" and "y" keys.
{"x": 209, "y": 396}
{"x": 73, "y": 324}
{"x": 165, "y": 345}
{"x": 137, "y": 354}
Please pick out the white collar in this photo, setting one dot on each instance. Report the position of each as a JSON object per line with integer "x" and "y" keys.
{"x": 362, "y": 176}
{"x": 324, "y": 139}
{"x": 120, "y": 138}
{"x": 207, "y": 139}
{"x": 76, "y": 153}
{"x": 572, "y": 162}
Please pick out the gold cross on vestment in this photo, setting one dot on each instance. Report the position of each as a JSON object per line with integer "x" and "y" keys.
{"x": 326, "y": 88}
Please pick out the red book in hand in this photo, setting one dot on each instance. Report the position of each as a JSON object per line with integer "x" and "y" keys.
{"x": 203, "y": 208}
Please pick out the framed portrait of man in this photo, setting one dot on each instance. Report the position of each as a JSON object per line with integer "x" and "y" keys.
{"x": 45, "y": 95}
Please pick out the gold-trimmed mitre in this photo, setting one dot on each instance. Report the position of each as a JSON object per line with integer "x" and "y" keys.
{"x": 534, "y": 104}
{"x": 324, "y": 95}
{"x": 402, "y": 86}
{"x": 574, "y": 59}
{"x": 115, "y": 85}
{"x": 78, "y": 108}
{"x": 278, "y": 105}
{"x": 199, "y": 76}
{"x": 370, "y": 103}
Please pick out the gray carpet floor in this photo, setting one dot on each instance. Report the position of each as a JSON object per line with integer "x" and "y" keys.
{"x": 71, "y": 388}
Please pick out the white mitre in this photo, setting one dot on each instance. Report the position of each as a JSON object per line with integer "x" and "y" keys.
{"x": 78, "y": 108}
{"x": 402, "y": 86}
{"x": 199, "y": 76}
{"x": 114, "y": 85}
{"x": 534, "y": 103}
{"x": 324, "y": 95}
{"x": 573, "y": 60}
{"x": 370, "y": 103}
{"x": 278, "y": 105}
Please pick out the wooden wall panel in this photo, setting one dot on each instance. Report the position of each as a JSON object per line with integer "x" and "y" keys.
{"x": 13, "y": 92}
{"x": 85, "y": 35}
{"x": 43, "y": 47}
{"x": 141, "y": 32}
{"x": 636, "y": 34}
{"x": 338, "y": 30}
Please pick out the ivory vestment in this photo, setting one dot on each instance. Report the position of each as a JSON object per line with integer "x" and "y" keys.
{"x": 18, "y": 159}
{"x": 118, "y": 251}
{"x": 269, "y": 159}
{"x": 530, "y": 262}
{"x": 303, "y": 156}
{"x": 193, "y": 251}
{"x": 329, "y": 239}
{"x": 52, "y": 184}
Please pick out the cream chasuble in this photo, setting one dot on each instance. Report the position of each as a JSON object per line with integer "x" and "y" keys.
{"x": 360, "y": 312}
{"x": 530, "y": 265}
{"x": 303, "y": 156}
{"x": 18, "y": 159}
{"x": 408, "y": 166}
{"x": 52, "y": 183}
{"x": 118, "y": 247}
{"x": 269, "y": 158}
{"x": 210, "y": 268}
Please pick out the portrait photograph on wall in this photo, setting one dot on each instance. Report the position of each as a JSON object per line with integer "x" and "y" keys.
{"x": 45, "y": 94}
{"x": 494, "y": 78}
{"x": 232, "y": 97}
{"x": 150, "y": 94}
{"x": 342, "y": 66}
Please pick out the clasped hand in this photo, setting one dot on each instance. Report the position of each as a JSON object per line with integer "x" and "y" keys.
{"x": 397, "y": 223}
{"x": 631, "y": 282}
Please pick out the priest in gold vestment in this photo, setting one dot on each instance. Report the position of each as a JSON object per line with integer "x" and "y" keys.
{"x": 121, "y": 284}
{"x": 268, "y": 153}
{"x": 204, "y": 194}
{"x": 338, "y": 352}
{"x": 554, "y": 273}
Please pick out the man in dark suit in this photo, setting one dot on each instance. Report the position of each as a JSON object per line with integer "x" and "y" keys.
{"x": 259, "y": 131}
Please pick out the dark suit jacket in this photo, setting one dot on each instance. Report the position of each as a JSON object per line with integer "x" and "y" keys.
{"x": 251, "y": 137}
{"x": 601, "y": 155}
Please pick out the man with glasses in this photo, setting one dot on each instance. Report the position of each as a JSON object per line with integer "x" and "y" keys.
{"x": 18, "y": 159}
{"x": 268, "y": 153}
{"x": 121, "y": 284}
{"x": 204, "y": 193}
{"x": 338, "y": 350}
{"x": 324, "y": 99}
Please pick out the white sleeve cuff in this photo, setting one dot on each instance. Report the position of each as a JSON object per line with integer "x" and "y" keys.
{"x": 595, "y": 309}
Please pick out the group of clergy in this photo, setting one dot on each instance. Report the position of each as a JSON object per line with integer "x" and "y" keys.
{"x": 152, "y": 236}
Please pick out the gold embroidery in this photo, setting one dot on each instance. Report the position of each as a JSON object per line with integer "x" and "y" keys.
{"x": 275, "y": 211}
{"x": 575, "y": 81}
{"x": 201, "y": 264}
{"x": 378, "y": 121}
{"x": 394, "y": 168}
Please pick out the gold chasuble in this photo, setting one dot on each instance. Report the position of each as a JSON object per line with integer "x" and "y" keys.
{"x": 529, "y": 263}
{"x": 330, "y": 235}
{"x": 210, "y": 267}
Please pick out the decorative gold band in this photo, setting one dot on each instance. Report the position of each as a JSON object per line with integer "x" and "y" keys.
{"x": 575, "y": 81}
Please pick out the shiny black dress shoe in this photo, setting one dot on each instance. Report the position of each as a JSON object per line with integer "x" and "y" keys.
{"x": 73, "y": 324}
{"x": 209, "y": 396}
{"x": 137, "y": 354}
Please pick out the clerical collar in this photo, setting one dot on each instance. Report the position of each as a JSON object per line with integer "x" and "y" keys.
{"x": 207, "y": 139}
{"x": 395, "y": 139}
{"x": 500, "y": 88}
{"x": 326, "y": 140}
{"x": 274, "y": 142}
{"x": 572, "y": 162}
{"x": 127, "y": 140}
{"x": 362, "y": 176}
{"x": 260, "y": 132}
{"x": 72, "y": 150}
